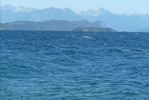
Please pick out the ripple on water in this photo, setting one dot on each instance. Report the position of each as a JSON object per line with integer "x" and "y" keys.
{"x": 74, "y": 66}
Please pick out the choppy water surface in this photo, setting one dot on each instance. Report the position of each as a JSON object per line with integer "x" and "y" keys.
{"x": 36, "y": 65}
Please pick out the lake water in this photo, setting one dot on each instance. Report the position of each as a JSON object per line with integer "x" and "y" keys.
{"x": 44, "y": 65}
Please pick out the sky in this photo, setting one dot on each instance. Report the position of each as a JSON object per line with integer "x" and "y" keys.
{"x": 116, "y": 6}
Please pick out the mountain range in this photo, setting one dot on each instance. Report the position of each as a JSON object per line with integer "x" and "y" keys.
{"x": 143, "y": 30}
{"x": 3, "y": 27}
{"x": 120, "y": 22}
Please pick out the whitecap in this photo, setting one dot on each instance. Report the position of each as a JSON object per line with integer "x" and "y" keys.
{"x": 137, "y": 33}
{"x": 87, "y": 37}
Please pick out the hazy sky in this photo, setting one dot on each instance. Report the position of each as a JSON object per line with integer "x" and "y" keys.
{"x": 117, "y": 6}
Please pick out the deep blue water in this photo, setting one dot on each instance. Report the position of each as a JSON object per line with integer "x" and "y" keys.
{"x": 38, "y": 65}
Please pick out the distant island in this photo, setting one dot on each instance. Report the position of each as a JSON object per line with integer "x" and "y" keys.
{"x": 52, "y": 25}
{"x": 57, "y": 25}
{"x": 3, "y": 27}
{"x": 94, "y": 29}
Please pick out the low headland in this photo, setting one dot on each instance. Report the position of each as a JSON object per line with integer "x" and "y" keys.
{"x": 57, "y": 25}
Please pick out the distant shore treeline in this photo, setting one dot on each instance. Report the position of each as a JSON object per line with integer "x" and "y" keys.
{"x": 54, "y": 25}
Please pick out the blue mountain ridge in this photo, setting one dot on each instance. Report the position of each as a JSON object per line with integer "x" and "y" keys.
{"x": 120, "y": 22}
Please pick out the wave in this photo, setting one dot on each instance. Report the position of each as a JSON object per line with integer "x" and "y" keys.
{"x": 87, "y": 37}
